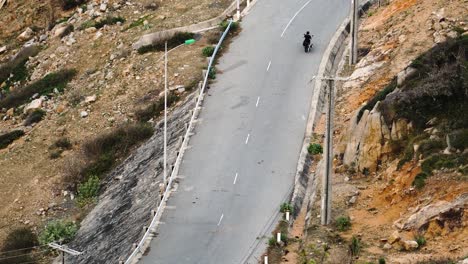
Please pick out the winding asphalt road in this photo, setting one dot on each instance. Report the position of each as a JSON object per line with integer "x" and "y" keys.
{"x": 242, "y": 159}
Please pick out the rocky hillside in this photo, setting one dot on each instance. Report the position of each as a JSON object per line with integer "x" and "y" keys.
{"x": 400, "y": 187}
{"x": 71, "y": 85}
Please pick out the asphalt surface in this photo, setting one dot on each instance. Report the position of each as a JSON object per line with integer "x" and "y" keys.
{"x": 243, "y": 156}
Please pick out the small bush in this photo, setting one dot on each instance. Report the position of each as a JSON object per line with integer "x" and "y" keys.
{"x": 429, "y": 146}
{"x": 420, "y": 180}
{"x": 382, "y": 261}
{"x": 62, "y": 143}
{"x": 55, "y": 153}
{"x": 234, "y": 26}
{"x": 208, "y": 51}
{"x": 154, "y": 110}
{"x": 438, "y": 161}
{"x": 315, "y": 149}
{"x": 343, "y": 223}
{"x": 88, "y": 191}
{"x": 272, "y": 241}
{"x": 57, "y": 80}
{"x": 8, "y": 138}
{"x": 138, "y": 22}
{"x": 172, "y": 42}
{"x": 355, "y": 246}
{"x": 34, "y": 117}
{"x": 69, "y": 4}
{"x": 109, "y": 20}
{"x": 58, "y": 231}
{"x": 286, "y": 207}
{"x": 212, "y": 73}
{"x": 18, "y": 74}
{"x": 420, "y": 240}
{"x": 18, "y": 244}
{"x": 459, "y": 139}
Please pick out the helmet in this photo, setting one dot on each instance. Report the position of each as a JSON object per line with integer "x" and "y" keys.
{"x": 307, "y": 33}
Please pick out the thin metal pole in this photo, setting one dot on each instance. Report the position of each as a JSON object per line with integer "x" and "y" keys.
{"x": 238, "y": 9}
{"x": 165, "y": 114}
{"x": 63, "y": 257}
{"x": 354, "y": 32}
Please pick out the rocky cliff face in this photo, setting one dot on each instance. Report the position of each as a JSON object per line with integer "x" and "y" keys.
{"x": 117, "y": 222}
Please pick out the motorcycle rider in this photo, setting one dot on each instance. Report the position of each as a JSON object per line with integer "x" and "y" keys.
{"x": 307, "y": 39}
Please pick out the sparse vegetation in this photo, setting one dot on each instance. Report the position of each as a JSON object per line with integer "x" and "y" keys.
{"x": 459, "y": 139}
{"x": 34, "y": 117}
{"x": 18, "y": 74}
{"x": 382, "y": 260}
{"x": 59, "y": 147}
{"x": 208, "y": 51}
{"x": 234, "y": 26}
{"x": 315, "y": 149}
{"x": 284, "y": 207}
{"x": 57, "y": 80}
{"x": 70, "y": 4}
{"x": 138, "y": 22}
{"x": 420, "y": 180}
{"x": 212, "y": 73}
{"x": 154, "y": 110}
{"x": 355, "y": 246}
{"x": 172, "y": 42}
{"x": 58, "y": 231}
{"x": 18, "y": 244}
{"x": 343, "y": 223}
{"x": 101, "y": 153}
{"x": 88, "y": 191}
{"x": 430, "y": 146}
{"x": 420, "y": 240}
{"x": 109, "y": 20}
{"x": 438, "y": 161}
{"x": 8, "y": 138}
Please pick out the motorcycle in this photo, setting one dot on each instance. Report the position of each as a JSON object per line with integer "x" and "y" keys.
{"x": 307, "y": 45}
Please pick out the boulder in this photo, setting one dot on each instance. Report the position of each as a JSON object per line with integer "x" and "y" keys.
{"x": 410, "y": 245}
{"x": 84, "y": 114}
{"x": 394, "y": 237}
{"x": 439, "y": 37}
{"x": 387, "y": 246}
{"x": 62, "y": 30}
{"x": 90, "y": 99}
{"x": 27, "y": 34}
{"x": 10, "y": 112}
{"x": 405, "y": 75}
{"x": 354, "y": 137}
{"x": 400, "y": 129}
{"x": 103, "y": 7}
{"x": 3, "y": 49}
{"x": 34, "y": 105}
{"x": 90, "y": 30}
{"x": 430, "y": 212}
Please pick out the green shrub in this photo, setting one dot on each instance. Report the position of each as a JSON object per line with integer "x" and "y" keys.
{"x": 18, "y": 245}
{"x": 429, "y": 146}
{"x": 315, "y": 149}
{"x": 286, "y": 207}
{"x": 88, "y": 191}
{"x": 8, "y": 138}
{"x": 343, "y": 223}
{"x": 212, "y": 73}
{"x": 208, "y": 51}
{"x": 420, "y": 180}
{"x": 87, "y": 24}
{"x": 34, "y": 117}
{"x": 382, "y": 261}
{"x": 172, "y": 42}
{"x": 155, "y": 109}
{"x": 18, "y": 74}
{"x": 459, "y": 139}
{"x": 272, "y": 241}
{"x": 57, "y": 80}
{"x": 355, "y": 246}
{"x": 109, "y": 20}
{"x": 438, "y": 161}
{"x": 420, "y": 240}
{"x": 138, "y": 22}
{"x": 62, "y": 143}
{"x": 58, "y": 231}
{"x": 69, "y": 4}
{"x": 234, "y": 26}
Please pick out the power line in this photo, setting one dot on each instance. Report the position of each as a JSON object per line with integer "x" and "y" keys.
{"x": 23, "y": 255}
{"x": 20, "y": 249}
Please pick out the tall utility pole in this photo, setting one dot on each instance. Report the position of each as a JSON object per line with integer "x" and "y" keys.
{"x": 165, "y": 115}
{"x": 354, "y": 32}
{"x": 238, "y": 9}
{"x": 327, "y": 177}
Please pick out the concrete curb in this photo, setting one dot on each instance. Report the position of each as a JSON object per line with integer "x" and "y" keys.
{"x": 150, "y": 38}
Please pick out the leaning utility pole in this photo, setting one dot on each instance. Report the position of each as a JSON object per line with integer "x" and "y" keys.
{"x": 354, "y": 32}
